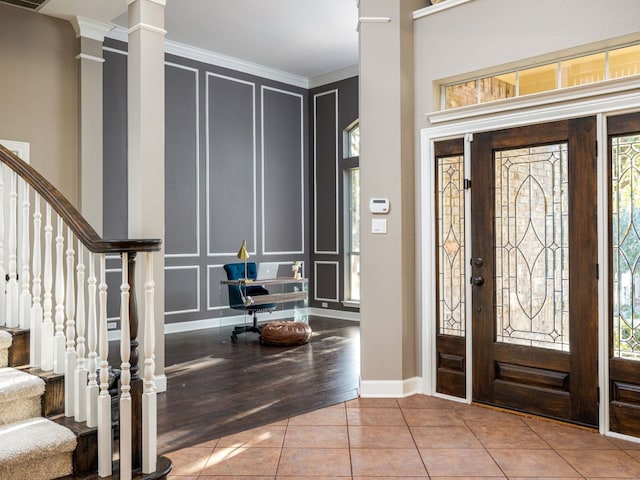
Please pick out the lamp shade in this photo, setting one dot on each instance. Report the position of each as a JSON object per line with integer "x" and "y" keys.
{"x": 242, "y": 253}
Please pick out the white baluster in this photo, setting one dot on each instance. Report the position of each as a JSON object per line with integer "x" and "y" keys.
{"x": 125, "y": 376}
{"x": 92, "y": 387}
{"x": 3, "y": 272}
{"x": 71, "y": 357}
{"x": 47, "y": 323}
{"x": 25, "y": 292}
{"x": 105, "y": 445}
{"x": 149, "y": 400}
{"x": 13, "y": 292}
{"x": 36, "y": 309}
{"x": 59, "y": 339}
{"x": 80, "y": 402}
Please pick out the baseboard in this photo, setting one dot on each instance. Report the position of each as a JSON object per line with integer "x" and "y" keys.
{"x": 339, "y": 314}
{"x": 216, "y": 322}
{"x": 390, "y": 388}
{"x": 240, "y": 319}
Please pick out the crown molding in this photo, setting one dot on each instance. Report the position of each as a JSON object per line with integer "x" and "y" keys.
{"x": 437, "y": 7}
{"x": 213, "y": 58}
{"x": 87, "y": 28}
{"x": 335, "y": 76}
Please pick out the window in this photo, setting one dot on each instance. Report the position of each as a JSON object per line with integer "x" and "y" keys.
{"x": 568, "y": 72}
{"x": 351, "y": 171}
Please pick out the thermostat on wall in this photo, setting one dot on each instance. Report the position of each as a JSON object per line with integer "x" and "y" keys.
{"x": 379, "y": 205}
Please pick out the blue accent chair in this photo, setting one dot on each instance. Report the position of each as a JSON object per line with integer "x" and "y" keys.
{"x": 235, "y": 271}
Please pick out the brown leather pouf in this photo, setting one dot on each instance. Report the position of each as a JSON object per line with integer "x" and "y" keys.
{"x": 285, "y": 333}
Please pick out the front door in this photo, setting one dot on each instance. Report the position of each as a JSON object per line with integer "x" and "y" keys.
{"x": 534, "y": 269}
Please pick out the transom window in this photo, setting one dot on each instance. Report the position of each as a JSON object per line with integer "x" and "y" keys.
{"x": 569, "y": 72}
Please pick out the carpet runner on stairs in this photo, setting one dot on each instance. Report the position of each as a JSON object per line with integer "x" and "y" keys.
{"x": 31, "y": 447}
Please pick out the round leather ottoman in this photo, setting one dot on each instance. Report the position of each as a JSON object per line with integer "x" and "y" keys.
{"x": 285, "y": 333}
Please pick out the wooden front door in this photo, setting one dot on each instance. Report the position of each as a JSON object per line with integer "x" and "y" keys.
{"x": 534, "y": 269}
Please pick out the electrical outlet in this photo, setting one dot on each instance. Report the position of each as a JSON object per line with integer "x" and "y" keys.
{"x": 325, "y": 305}
{"x": 111, "y": 325}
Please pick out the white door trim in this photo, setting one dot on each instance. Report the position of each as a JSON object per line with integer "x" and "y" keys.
{"x": 601, "y": 105}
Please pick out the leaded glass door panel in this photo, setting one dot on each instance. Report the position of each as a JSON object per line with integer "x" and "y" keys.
{"x": 534, "y": 269}
{"x": 624, "y": 273}
{"x": 450, "y": 261}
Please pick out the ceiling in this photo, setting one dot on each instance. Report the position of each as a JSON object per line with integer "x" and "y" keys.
{"x": 304, "y": 38}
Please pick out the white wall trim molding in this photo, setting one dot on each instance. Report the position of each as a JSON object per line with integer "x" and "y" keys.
{"x": 223, "y": 322}
{"x": 210, "y": 289}
{"x": 220, "y": 60}
{"x": 335, "y": 76}
{"x": 87, "y": 28}
{"x": 438, "y": 7}
{"x": 390, "y": 388}
{"x": 196, "y": 159}
{"x": 315, "y": 170}
{"x": 315, "y": 280}
{"x": 263, "y": 89}
{"x": 93, "y": 58}
{"x": 148, "y": 28}
{"x": 208, "y": 164}
{"x": 338, "y": 314}
{"x": 185, "y": 267}
{"x": 115, "y": 50}
{"x": 374, "y": 19}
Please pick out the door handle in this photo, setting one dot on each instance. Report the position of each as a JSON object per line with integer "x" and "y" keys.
{"x": 477, "y": 281}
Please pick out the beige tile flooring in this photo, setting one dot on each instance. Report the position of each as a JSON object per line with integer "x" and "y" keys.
{"x": 418, "y": 436}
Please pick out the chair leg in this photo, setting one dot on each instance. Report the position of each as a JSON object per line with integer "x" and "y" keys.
{"x": 244, "y": 329}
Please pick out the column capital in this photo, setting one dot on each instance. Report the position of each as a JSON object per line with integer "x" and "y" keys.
{"x": 159, "y": 2}
{"x": 92, "y": 29}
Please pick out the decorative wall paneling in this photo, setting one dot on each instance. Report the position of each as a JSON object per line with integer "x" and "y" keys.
{"x": 236, "y": 164}
{"x": 231, "y": 164}
{"x": 283, "y": 179}
{"x": 182, "y": 178}
{"x": 326, "y": 281}
{"x": 334, "y": 108}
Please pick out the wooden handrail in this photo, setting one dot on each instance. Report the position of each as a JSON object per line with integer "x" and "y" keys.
{"x": 70, "y": 215}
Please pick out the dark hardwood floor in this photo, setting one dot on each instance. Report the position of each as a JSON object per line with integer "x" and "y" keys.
{"x": 217, "y": 388}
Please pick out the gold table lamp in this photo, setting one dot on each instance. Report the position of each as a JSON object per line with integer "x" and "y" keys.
{"x": 243, "y": 255}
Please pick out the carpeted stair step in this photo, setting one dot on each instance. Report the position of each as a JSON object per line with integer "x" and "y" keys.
{"x": 35, "y": 449}
{"x": 19, "y": 396}
{"x": 5, "y": 344}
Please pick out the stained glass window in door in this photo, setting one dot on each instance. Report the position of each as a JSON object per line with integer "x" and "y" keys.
{"x": 532, "y": 251}
{"x": 625, "y": 244}
{"x": 451, "y": 253}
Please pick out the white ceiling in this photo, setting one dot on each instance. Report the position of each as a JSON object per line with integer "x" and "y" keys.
{"x": 305, "y": 38}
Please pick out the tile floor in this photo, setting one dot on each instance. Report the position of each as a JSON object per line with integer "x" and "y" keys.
{"x": 418, "y": 436}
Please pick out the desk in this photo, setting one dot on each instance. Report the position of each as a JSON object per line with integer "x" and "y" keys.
{"x": 299, "y": 293}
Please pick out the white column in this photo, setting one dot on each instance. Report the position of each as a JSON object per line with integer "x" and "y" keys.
{"x": 90, "y": 36}
{"x": 145, "y": 103}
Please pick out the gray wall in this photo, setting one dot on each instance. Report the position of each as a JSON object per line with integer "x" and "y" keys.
{"x": 236, "y": 168}
{"x": 334, "y": 107}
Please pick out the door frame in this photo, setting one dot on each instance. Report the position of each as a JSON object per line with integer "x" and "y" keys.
{"x": 601, "y": 101}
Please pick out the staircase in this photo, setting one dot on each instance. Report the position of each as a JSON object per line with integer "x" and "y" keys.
{"x": 55, "y": 401}
{"x": 31, "y": 446}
